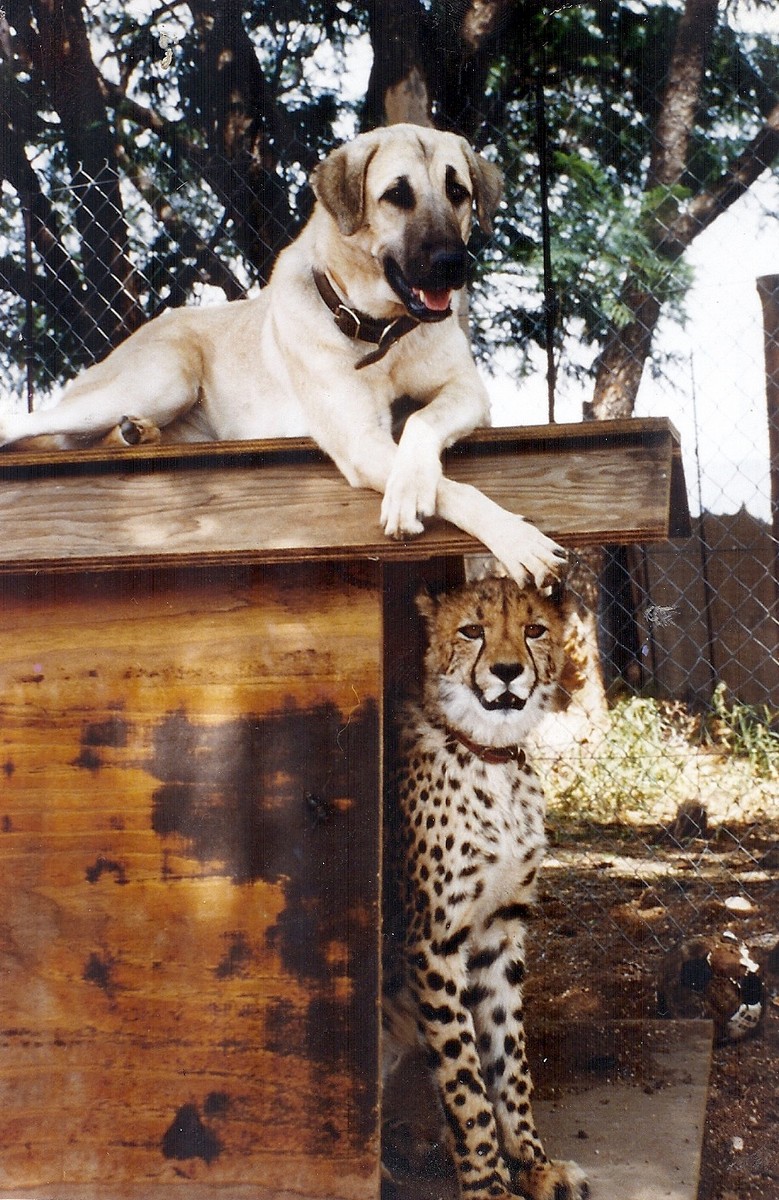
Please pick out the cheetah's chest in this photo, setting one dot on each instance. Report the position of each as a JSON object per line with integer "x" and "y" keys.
{"x": 473, "y": 829}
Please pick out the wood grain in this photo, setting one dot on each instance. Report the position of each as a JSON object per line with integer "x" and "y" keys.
{"x": 258, "y": 502}
{"x": 188, "y": 884}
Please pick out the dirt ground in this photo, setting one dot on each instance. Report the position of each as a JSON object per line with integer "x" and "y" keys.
{"x": 609, "y": 915}
{"x": 613, "y": 903}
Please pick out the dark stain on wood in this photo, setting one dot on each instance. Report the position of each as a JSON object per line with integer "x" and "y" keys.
{"x": 236, "y": 958}
{"x": 236, "y": 794}
{"x": 216, "y": 1104}
{"x": 113, "y": 732}
{"x": 98, "y": 970}
{"x": 88, "y": 759}
{"x": 106, "y": 866}
{"x": 234, "y": 791}
{"x": 187, "y": 1137}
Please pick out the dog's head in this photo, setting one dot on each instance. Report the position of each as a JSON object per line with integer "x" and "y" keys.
{"x": 405, "y": 196}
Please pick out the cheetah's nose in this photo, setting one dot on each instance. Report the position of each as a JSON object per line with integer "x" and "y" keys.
{"x": 506, "y": 671}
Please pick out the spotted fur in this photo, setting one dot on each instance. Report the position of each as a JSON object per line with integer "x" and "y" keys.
{"x": 464, "y": 842}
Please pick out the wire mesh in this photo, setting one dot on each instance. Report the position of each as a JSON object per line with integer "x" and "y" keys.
{"x": 687, "y": 629}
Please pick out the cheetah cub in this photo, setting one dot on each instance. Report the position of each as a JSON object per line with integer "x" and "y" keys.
{"x": 464, "y": 841}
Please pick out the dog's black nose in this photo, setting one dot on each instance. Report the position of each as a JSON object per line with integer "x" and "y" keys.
{"x": 446, "y": 267}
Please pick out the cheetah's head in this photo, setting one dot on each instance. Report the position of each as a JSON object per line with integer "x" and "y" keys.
{"x": 495, "y": 653}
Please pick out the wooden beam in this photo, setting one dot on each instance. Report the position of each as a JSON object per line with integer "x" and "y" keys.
{"x": 606, "y": 481}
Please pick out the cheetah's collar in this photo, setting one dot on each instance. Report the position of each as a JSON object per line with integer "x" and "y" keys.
{"x": 489, "y": 754}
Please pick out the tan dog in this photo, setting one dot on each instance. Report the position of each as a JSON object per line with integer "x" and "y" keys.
{"x": 356, "y": 314}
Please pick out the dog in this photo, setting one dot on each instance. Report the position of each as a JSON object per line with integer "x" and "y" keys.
{"x": 357, "y": 313}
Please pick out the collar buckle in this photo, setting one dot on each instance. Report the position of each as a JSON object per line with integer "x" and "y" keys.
{"x": 349, "y": 323}
{"x": 359, "y": 327}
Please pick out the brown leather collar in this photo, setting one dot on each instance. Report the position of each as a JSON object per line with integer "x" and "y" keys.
{"x": 357, "y": 325}
{"x": 489, "y": 754}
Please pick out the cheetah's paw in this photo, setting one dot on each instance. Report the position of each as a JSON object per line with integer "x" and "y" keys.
{"x": 553, "y": 1181}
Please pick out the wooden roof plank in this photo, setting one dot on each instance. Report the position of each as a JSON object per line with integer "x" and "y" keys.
{"x": 267, "y": 502}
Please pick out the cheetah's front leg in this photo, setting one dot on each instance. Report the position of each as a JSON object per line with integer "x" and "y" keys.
{"x": 496, "y": 969}
{"x": 438, "y": 983}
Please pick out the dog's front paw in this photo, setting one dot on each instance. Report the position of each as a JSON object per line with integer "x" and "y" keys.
{"x": 553, "y": 1181}
{"x": 528, "y": 554}
{"x": 410, "y": 494}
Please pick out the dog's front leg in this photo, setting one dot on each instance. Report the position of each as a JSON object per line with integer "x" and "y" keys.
{"x": 521, "y": 547}
{"x": 458, "y": 406}
{"x": 408, "y": 474}
{"x": 452, "y": 410}
{"x": 412, "y": 485}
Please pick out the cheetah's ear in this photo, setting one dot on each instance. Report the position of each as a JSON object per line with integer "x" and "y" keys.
{"x": 426, "y": 603}
{"x": 558, "y": 593}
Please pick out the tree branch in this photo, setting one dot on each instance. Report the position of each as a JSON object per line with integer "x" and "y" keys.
{"x": 169, "y": 132}
{"x": 188, "y": 239}
{"x": 704, "y": 208}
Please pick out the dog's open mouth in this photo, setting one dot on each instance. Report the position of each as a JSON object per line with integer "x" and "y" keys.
{"x": 424, "y": 303}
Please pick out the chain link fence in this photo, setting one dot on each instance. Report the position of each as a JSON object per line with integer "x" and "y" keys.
{"x": 665, "y": 815}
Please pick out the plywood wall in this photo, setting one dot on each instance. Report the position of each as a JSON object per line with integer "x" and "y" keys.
{"x": 188, "y": 884}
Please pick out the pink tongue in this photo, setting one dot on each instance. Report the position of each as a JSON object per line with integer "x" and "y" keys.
{"x": 436, "y": 301}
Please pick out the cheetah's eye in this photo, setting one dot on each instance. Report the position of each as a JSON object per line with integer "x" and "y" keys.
{"x": 472, "y": 632}
{"x": 535, "y": 631}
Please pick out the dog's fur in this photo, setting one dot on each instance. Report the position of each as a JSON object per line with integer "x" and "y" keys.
{"x": 393, "y": 214}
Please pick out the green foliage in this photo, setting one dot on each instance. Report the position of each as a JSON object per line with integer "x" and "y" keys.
{"x": 746, "y": 731}
{"x": 637, "y": 766}
{"x": 654, "y": 756}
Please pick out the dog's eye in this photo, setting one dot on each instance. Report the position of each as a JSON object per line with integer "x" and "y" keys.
{"x": 535, "y": 631}
{"x": 456, "y": 193}
{"x": 472, "y": 632}
{"x": 400, "y": 194}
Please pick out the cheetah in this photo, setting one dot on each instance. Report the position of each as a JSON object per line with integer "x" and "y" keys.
{"x": 464, "y": 840}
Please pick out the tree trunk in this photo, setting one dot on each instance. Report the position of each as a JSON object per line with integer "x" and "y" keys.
{"x": 73, "y": 81}
{"x": 626, "y": 348}
{"x": 398, "y": 88}
{"x": 62, "y": 289}
{"x": 469, "y": 37}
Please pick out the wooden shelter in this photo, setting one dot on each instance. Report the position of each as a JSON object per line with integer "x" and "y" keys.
{"x": 191, "y": 729}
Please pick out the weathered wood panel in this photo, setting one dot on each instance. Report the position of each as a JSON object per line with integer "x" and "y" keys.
{"x": 583, "y": 484}
{"x": 188, "y": 884}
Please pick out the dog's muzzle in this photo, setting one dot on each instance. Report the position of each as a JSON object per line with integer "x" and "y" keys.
{"x": 426, "y": 289}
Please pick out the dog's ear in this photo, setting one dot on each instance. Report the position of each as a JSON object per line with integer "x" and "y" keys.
{"x": 487, "y": 181}
{"x": 339, "y": 182}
